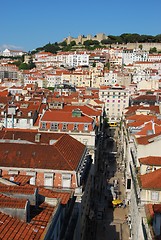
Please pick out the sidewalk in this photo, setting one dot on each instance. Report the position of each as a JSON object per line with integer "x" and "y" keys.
{"x": 114, "y": 225}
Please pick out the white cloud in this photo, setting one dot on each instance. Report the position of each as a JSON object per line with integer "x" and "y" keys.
{"x": 10, "y": 46}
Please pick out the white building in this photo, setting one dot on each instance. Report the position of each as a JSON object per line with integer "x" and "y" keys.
{"x": 116, "y": 99}
{"x": 134, "y": 55}
{"x": 12, "y": 53}
{"x": 77, "y": 59}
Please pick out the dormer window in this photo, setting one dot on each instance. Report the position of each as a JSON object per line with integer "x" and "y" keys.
{"x": 85, "y": 127}
{"x": 43, "y": 125}
{"x": 54, "y": 126}
{"x": 75, "y": 128}
{"x": 64, "y": 127}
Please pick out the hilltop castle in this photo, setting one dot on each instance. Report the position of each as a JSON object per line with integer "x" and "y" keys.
{"x": 81, "y": 38}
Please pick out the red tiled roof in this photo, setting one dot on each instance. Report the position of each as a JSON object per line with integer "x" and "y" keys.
{"x": 146, "y": 98}
{"x": 146, "y": 139}
{"x": 12, "y": 228}
{"x": 71, "y": 152}
{"x": 65, "y": 154}
{"x": 19, "y": 179}
{"x": 149, "y": 127}
{"x": 135, "y": 124}
{"x": 142, "y": 117}
{"x": 85, "y": 109}
{"x": 150, "y": 180}
{"x": 9, "y": 202}
{"x": 61, "y": 116}
{"x": 63, "y": 196}
{"x": 29, "y": 135}
{"x": 133, "y": 109}
{"x": 151, "y": 160}
{"x": 17, "y": 189}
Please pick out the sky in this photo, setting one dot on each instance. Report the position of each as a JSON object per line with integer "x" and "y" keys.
{"x": 29, "y": 24}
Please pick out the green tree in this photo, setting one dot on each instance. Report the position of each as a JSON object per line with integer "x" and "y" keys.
{"x": 31, "y": 64}
{"x": 51, "y": 48}
{"x": 73, "y": 43}
{"x": 24, "y": 66}
{"x": 153, "y": 50}
{"x": 158, "y": 38}
{"x": 63, "y": 44}
{"x": 141, "y": 46}
{"x": 17, "y": 63}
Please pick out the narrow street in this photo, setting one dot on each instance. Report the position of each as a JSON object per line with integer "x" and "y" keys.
{"x": 108, "y": 223}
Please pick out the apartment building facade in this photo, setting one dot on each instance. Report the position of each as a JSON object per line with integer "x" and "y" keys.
{"x": 116, "y": 99}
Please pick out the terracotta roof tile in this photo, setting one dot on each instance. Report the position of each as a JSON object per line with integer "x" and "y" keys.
{"x": 19, "y": 179}
{"x": 9, "y": 202}
{"x": 17, "y": 189}
{"x": 12, "y": 228}
{"x": 61, "y": 116}
{"x": 149, "y": 127}
{"x": 65, "y": 154}
{"x": 29, "y": 135}
{"x": 146, "y": 139}
{"x": 151, "y": 160}
{"x": 142, "y": 117}
{"x": 150, "y": 180}
{"x": 63, "y": 196}
{"x": 132, "y": 109}
{"x": 85, "y": 109}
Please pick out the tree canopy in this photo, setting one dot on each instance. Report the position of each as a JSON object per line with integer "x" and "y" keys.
{"x": 93, "y": 44}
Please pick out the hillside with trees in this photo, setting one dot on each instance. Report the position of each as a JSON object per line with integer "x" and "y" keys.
{"x": 93, "y": 44}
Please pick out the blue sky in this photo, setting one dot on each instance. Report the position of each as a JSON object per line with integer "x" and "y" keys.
{"x": 28, "y": 24}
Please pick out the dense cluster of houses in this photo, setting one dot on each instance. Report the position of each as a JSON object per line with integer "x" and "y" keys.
{"x": 141, "y": 136}
{"x": 49, "y": 119}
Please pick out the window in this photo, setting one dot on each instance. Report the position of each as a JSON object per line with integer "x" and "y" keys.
{"x": 54, "y": 126}
{"x": 43, "y": 125}
{"x": 33, "y": 177}
{"x": 64, "y": 127}
{"x": 85, "y": 127}
{"x": 48, "y": 179}
{"x": 75, "y": 128}
{"x": 155, "y": 196}
{"x": 66, "y": 180}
